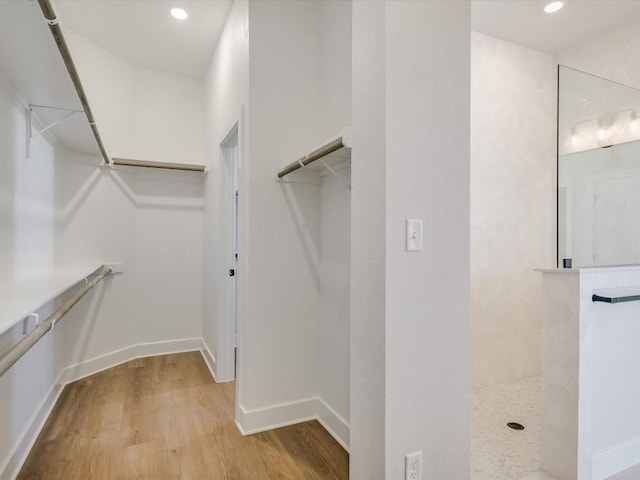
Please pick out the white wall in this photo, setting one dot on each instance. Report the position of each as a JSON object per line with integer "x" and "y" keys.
{"x": 153, "y": 222}
{"x": 512, "y": 204}
{"x": 335, "y": 217}
{"x": 142, "y": 114}
{"x": 428, "y": 331}
{"x": 410, "y": 311}
{"x": 368, "y": 223}
{"x": 226, "y": 92}
{"x": 280, "y": 269}
{"x": 27, "y": 196}
{"x": 334, "y": 321}
{"x": 335, "y": 67}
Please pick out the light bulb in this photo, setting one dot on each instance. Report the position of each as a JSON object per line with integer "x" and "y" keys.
{"x": 553, "y": 7}
{"x": 635, "y": 122}
{"x": 576, "y": 138}
{"x": 179, "y": 13}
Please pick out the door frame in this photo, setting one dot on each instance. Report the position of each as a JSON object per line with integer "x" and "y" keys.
{"x": 228, "y": 241}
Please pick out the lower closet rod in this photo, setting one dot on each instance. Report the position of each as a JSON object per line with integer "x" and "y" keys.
{"x": 19, "y": 349}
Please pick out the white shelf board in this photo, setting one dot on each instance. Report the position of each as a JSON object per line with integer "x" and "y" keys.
{"x": 34, "y": 70}
{"x": 21, "y": 298}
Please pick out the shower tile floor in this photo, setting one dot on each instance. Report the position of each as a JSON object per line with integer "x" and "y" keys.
{"x": 498, "y": 452}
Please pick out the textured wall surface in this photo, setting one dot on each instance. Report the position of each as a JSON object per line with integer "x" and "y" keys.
{"x": 559, "y": 375}
{"x": 614, "y": 56}
{"x": 368, "y": 223}
{"x": 512, "y": 204}
{"x": 428, "y": 338}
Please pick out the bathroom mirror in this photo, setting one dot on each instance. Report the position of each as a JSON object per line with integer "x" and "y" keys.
{"x": 598, "y": 171}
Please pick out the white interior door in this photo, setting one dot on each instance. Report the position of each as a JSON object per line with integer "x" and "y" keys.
{"x": 229, "y": 244}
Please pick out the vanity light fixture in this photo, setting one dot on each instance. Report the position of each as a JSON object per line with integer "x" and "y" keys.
{"x": 179, "y": 13}
{"x": 603, "y": 132}
{"x": 553, "y": 7}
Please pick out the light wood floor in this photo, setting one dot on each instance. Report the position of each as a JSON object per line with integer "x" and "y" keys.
{"x": 164, "y": 418}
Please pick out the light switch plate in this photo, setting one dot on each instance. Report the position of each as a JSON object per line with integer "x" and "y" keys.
{"x": 413, "y": 235}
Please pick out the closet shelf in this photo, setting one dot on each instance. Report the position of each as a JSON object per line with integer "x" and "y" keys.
{"x": 21, "y": 298}
{"x": 186, "y": 167}
{"x": 336, "y": 149}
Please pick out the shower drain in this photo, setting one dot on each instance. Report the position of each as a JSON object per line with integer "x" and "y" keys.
{"x": 515, "y": 426}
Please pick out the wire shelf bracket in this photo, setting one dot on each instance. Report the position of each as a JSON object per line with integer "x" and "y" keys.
{"x": 68, "y": 112}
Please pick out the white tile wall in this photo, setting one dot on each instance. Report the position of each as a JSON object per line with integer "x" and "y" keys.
{"x": 559, "y": 375}
{"x": 614, "y": 55}
{"x": 512, "y": 205}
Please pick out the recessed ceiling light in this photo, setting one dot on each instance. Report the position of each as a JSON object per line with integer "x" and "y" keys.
{"x": 553, "y": 7}
{"x": 179, "y": 13}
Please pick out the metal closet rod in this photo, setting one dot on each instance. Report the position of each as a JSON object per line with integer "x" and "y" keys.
{"x": 312, "y": 157}
{"x": 125, "y": 162}
{"x": 19, "y": 349}
{"x": 52, "y": 20}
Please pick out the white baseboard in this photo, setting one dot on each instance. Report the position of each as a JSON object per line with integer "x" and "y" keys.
{"x": 616, "y": 459}
{"x": 109, "y": 360}
{"x": 18, "y": 455}
{"x": 20, "y": 451}
{"x": 291, "y": 413}
{"x": 276, "y": 416}
{"x": 333, "y": 423}
{"x": 209, "y": 359}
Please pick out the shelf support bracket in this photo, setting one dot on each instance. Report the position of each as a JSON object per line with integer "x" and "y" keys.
{"x": 30, "y": 129}
{"x": 25, "y": 322}
{"x": 335, "y": 174}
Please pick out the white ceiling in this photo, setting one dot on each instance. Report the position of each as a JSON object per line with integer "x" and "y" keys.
{"x": 143, "y": 31}
{"x": 525, "y": 23}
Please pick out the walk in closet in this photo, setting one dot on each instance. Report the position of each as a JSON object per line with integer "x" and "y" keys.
{"x": 90, "y": 275}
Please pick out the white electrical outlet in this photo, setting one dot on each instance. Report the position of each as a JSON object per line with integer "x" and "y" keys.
{"x": 413, "y": 466}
